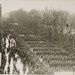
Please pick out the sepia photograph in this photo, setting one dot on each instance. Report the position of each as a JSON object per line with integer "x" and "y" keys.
{"x": 37, "y": 37}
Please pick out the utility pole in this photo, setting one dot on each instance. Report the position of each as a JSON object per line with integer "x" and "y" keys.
{"x": 0, "y": 23}
{"x": 0, "y": 36}
{"x": 0, "y": 10}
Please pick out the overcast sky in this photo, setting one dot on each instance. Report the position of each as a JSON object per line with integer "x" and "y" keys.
{"x": 10, "y": 5}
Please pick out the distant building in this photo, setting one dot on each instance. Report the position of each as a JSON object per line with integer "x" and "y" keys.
{"x": 73, "y": 31}
{"x": 21, "y": 35}
{"x": 67, "y": 29}
{"x": 14, "y": 24}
